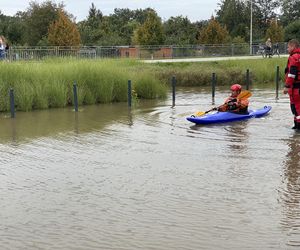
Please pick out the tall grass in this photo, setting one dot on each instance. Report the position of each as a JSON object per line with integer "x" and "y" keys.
{"x": 231, "y": 71}
{"x": 49, "y": 84}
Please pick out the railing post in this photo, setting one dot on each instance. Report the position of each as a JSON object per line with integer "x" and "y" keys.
{"x": 75, "y": 97}
{"x": 277, "y": 82}
{"x": 173, "y": 90}
{"x": 12, "y": 103}
{"x": 213, "y": 86}
{"x": 129, "y": 93}
{"x": 247, "y": 79}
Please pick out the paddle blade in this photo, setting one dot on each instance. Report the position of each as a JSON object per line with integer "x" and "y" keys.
{"x": 199, "y": 113}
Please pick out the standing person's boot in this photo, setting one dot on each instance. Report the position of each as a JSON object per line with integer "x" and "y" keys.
{"x": 296, "y": 125}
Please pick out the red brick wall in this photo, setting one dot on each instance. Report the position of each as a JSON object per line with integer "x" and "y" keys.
{"x": 129, "y": 52}
{"x": 163, "y": 53}
{"x": 136, "y": 53}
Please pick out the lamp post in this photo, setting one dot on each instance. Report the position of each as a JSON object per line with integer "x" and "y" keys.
{"x": 250, "y": 27}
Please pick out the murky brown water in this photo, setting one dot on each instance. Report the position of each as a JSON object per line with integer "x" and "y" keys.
{"x": 108, "y": 178}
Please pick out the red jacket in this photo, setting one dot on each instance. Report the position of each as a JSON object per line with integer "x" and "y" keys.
{"x": 292, "y": 70}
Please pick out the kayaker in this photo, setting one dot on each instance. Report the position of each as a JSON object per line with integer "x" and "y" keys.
{"x": 234, "y": 104}
{"x": 292, "y": 80}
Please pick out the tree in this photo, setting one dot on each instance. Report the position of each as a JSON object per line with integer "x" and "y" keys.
{"x": 115, "y": 29}
{"x": 233, "y": 14}
{"x": 180, "y": 31}
{"x": 95, "y": 17}
{"x": 122, "y": 24}
{"x": 37, "y": 19}
{"x": 213, "y": 33}
{"x": 109, "y": 37}
{"x": 267, "y": 13}
{"x": 90, "y": 29}
{"x": 150, "y": 32}
{"x": 63, "y": 32}
{"x": 11, "y": 28}
{"x": 292, "y": 31}
{"x": 290, "y": 11}
{"x": 275, "y": 32}
{"x": 238, "y": 39}
{"x": 140, "y": 15}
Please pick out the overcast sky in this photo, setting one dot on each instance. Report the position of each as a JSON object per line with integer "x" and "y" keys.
{"x": 195, "y": 10}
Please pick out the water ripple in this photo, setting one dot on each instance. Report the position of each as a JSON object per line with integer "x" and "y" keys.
{"x": 148, "y": 179}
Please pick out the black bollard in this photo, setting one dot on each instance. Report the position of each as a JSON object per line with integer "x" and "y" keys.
{"x": 213, "y": 86}
{"x": 277, "y": 82}
{"x": 12, "y": 103}
{"x": 129, "y": 93}
{"x": 247, "y": 79}
{"x": 173, "y": 90}
{"x": 75, "y": 97}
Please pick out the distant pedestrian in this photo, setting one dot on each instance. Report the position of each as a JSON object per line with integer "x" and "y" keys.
{"x": 3, "y": 47}
{"x": 292, "y": 80}
{"x": 268, "y": 47}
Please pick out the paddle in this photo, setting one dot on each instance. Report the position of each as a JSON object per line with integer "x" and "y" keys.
{"x": 243, "y": 95}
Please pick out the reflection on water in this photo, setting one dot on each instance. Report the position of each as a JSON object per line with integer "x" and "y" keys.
{"x": 109, "y": 177}
{"x": 59, "y": 121}
{"x": 291, "y": 191}
{"x": 239, "y": 136}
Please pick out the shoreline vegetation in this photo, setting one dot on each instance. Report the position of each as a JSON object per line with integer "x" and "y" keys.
{"x": 192, "y": 74}
{"x": 49, "y": 83}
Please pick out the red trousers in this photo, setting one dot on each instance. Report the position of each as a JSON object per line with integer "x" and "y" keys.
{"x": 294, "y": 94}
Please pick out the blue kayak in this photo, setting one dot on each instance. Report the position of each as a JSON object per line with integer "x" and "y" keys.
{"x": 228, "y": 116}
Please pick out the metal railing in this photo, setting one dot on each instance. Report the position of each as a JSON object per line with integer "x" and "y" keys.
{"x": 16, "y": 53}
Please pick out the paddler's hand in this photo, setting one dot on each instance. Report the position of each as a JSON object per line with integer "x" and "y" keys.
{"x": 285, "y": 91}
{"x": 232, "y": 105}
{"x": 233, "y": 100}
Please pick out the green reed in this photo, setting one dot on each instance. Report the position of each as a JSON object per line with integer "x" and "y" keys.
{"x": 230, "y": 71}
{"x": 49, "y": 84}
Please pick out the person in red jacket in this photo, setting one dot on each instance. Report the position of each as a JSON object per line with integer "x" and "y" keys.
{"x": 292, "y": 80}
{"x": 233, "y": 103}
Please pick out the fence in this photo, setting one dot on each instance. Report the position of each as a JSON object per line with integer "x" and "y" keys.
{"x": 16, "y": 53}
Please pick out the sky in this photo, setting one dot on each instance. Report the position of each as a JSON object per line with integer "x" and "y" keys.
{"x": 195, "y": 10}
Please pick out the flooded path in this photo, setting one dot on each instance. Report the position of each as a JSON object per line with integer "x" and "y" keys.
{"x": 110, "y": 178}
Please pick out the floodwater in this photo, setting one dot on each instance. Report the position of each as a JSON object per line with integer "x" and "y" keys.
{"x": 112, "y": 178}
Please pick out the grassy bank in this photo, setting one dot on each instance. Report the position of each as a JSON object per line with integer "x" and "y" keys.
{"x": 232, "y": 71}
{"x": 49, "y": 84}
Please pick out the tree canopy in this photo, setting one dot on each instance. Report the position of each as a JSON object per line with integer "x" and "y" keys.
{"x": 292, "y": 30}
{"x": 275, "y": 32}
{"x": 150, "y": 32}
{"x": 213, "y": 33}
{"x": 144, "y": 27}
{"x": 63, "y": 32}
{"x": 37, "y": 19}
{"x": 180, "y": 31}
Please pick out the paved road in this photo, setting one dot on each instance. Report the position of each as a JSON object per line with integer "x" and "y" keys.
{"x": 207, "y": 59}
